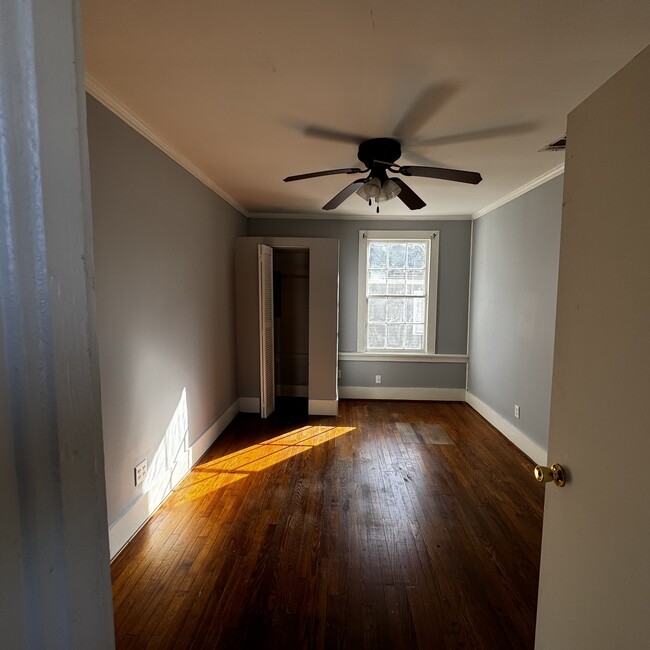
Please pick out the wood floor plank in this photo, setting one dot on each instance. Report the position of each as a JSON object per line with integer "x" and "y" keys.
{"x": 357, "y": 531}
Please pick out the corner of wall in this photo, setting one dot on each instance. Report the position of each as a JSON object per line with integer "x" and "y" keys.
{"x": 532, "y": 449}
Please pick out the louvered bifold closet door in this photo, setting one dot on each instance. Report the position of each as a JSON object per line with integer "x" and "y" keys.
{"x": 267, "y": 365}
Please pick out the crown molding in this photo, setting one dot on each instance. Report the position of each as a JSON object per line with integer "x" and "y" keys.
{"x": 536, "y": 182}
{"x": 113, "y": 104}
{"x": 116, "y": 106}
{"x": 358, "y": 217}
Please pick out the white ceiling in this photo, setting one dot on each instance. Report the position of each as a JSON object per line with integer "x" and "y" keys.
{"x": 239, "y": 91}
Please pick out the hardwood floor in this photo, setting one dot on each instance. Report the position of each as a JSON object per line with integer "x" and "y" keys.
{"x": 394, "y": 525}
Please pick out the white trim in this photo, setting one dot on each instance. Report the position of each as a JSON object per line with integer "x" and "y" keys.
{"x": 55, "y": 551}
{"x": 249, "y": 404}
{"x": 127, "y": 525}
{"x": 266, "y": 329}
{"x": 323, "y": 407}
{"x": 207, "y": 439}
{"x": 288, "y": 390}
{"x": 469, "y": 298}
{"x": 389, "y": 392}
{"x": 431, "y": 291}
{"x": 404, "y": 358}
{"x": 105, "y": 97}
{"x": 536, "y": 182}
{"x": 531, "y": 448}
{"x": 358, "y": 217}
{"x": 130, "y": 522}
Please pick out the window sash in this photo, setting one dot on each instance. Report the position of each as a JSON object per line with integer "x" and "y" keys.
{"x": 396, "y": 308}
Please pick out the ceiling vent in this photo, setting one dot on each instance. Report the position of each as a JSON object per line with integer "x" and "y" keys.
{"x": 558, "y": 145}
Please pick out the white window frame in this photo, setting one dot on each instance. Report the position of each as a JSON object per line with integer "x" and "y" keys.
{"x": 365, "y": 236}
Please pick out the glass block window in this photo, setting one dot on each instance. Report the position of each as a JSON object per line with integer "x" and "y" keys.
{"x": 396, "y": 272}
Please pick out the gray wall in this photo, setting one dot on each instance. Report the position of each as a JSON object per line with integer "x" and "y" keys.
{"x": 164, "y": 252}
{"x": 514, "y": 290}
{"x": 453, "y": 284}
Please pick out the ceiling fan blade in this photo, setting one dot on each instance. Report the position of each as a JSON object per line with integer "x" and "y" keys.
{"x": 327, "y": 172}
{"x": 443, "y": 174}
{"x": 470, "y": 136}
{"x": 331, "y": 134}
{"x": 408, "y": 196}
{"x": 343, "y": 194}
{"x": 428, "y": 102}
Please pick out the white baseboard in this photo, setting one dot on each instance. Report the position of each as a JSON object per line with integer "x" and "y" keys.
{"x": 389, "y": 392}
{"x": 531, "y": 448}
{"x": 128, "y": 525}
{"x": 323, "y": 407}
{"x": 130, "y": 522}
{"x": 249, "y": 404}
{"x": 205, "y": 441}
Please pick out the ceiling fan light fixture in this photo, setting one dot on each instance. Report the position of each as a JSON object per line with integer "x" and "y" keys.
{"x": 389, "y": 190}
{"x": 371, "y": 189}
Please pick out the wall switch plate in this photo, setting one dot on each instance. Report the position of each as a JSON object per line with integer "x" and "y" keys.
{"x": 377, "y": 379}
{"x": 517, "y": 411}
{"x": 339, "y": 373}
{"x": 140, "y": 472}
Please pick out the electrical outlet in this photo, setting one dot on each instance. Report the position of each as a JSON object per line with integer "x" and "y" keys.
{"x": 517, "y": 411}
{"x": 140, "y": 472}
{"x": 339, "y": 373}
{"x": 377, "y": 379}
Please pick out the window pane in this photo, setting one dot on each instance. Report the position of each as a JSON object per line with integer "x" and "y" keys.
{"x": 376, "y": 282}
{"x": 396, "y": 282}
{"x": 376, "y": 336}
{"x": 415, "y": 282}
{"x": 395, "y": 336}
{"x": 416, "y": 255}
{"x": 377, "y": 255}
{"x": 413, "y": 337}
{"x": 377, "y": 310}
{"x": 414, "y": 312}
{"x": 395, "y": 310}
{"x": 419, "y": 308}
{"x": 397, "y": 256}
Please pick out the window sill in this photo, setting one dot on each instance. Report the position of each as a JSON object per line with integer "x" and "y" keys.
{"x": 403, "y": 357}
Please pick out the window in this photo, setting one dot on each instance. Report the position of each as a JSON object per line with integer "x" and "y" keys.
{"x": 397, "y": 291}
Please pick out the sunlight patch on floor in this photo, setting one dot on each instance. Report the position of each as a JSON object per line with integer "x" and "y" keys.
{"x": 228, "y": 469}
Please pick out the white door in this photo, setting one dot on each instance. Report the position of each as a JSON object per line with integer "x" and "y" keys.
{"x": 267, "y": 365}
{"x": 595, "y": 571}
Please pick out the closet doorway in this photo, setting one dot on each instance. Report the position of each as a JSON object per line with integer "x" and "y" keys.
{"x": 291, "y": 328}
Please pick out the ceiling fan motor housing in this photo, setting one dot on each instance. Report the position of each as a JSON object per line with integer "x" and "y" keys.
{"x": 379, "y": 149}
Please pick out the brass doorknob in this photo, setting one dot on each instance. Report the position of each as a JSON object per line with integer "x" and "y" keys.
{"x": 553, "y": 473}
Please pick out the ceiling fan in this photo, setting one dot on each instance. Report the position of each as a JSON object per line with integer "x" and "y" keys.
{"x": 379, "y": 155}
